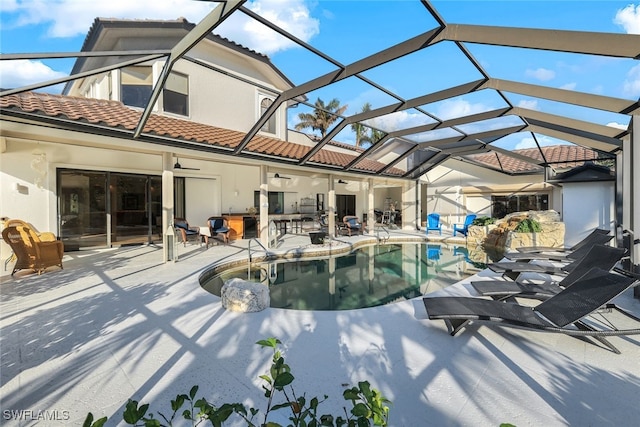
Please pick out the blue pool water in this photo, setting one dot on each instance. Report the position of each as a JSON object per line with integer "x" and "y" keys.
{"x": 367, "y": 277}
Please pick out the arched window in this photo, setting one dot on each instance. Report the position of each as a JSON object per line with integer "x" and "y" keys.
{"x": 270, "y": 125}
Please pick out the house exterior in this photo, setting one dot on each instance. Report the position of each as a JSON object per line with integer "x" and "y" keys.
{"x": 69, "y": 163}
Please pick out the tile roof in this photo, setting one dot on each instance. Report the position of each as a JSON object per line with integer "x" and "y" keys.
{"x": 558, "y": 156}
{"x": 116, "y": 115}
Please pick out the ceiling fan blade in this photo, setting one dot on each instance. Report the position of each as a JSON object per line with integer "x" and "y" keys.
{"x": 277, "y": 175}
{"x": 177, "y": 165}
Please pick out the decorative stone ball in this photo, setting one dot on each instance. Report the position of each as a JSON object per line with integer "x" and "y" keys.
{"x": 244, "y": 296}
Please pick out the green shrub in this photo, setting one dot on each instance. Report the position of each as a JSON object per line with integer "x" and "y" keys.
{"x": 528, "y": 226}
{"x": 369, "y": 406}
{"x": 483, "y": 220}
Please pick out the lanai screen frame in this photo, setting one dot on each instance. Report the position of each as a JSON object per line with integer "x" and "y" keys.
{"x": 603, "y": 139}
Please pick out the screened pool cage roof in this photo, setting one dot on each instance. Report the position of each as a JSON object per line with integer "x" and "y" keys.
{"x": 408, "y": 86}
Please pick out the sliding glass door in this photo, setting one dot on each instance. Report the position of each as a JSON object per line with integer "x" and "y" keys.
{"x": 98, "y": 209}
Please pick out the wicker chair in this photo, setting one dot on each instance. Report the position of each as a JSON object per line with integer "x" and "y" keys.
{"x": 31, "y": 252}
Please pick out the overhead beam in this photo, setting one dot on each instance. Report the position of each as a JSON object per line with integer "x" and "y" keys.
{"x": 394, "y": 52}
{"x": 590, "y": 43}
{"x": 581, "y": 127}
{"x": 86, "y": 54}
{"x": 555, "y": 132}
{"x": 600, "y": 102}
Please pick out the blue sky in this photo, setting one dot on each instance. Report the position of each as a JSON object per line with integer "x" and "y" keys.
{"x": 351, "y": 30}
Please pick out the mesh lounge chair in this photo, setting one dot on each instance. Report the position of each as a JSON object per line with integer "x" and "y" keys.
{"x": 31, "y": 252}
{"x": 513, "y": 269}
{"x": 569, "y": 312}
{"x": 433, "y": 223}
{"x": 604, "y": 257}
{"x": 576, "y": 253}
{"x": 585, "y": 241}
{"x": 464, "y": 228}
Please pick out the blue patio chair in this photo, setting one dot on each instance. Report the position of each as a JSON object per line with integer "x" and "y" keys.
{"x": 185, "y": 231}
{"x": 218, "y": 227}
{"x": 464, "y": 228}
{"x": 433, "y": 223}
{"x": 352, "y": 225}
{"x": 434, "y": 252}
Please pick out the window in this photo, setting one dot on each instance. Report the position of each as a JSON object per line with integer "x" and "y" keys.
{"x": 136, "y": 86}
{"x": 276, "y": 201}
{"x": 175, "y": 96}
{"x": 503, "y": 205}
{"x": 270, "y": 125}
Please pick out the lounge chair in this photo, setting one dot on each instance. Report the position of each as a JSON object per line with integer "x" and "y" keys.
{"x": 433, "y": 223}
{"x": 464, "y": 228}
{"x": 585, "y": 241}
{"x": 352, "y": 225}
{"x": 569, "y": 255}
{"x": 185, "y": 231}
{"x": 604, "y": 257}
{"x": 218, "y": 227}
{"x": 31, "y": 252}
{"x": 567, "y": 312}
{"x": 512, "y": 269}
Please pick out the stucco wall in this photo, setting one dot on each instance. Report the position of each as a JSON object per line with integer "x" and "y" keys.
{"x": 587, "y": 206}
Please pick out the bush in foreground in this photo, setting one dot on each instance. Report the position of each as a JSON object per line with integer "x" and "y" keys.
{"x": 369, "y": 407}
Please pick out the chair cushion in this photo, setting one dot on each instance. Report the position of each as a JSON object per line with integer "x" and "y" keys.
{"x": 353, "y": 223}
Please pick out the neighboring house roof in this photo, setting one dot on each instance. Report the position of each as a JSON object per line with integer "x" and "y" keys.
{"x": 117, "y": 116}
{"x": 557, "y": 156}
{"x": 588, "y": 172}
{"x": 101, "y": 26}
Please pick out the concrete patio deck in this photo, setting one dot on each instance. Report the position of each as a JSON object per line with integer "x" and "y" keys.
{"x": 118, "y": 324}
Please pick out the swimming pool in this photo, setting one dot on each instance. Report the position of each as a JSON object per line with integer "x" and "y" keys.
{"x": 367, "y": 277}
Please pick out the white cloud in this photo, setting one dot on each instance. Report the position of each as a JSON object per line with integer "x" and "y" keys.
{"x": 19, "y": 73}
{"x": 450, "y": 109}
{"x": 530, "y": 104}
{"x": 527, "y": 142}
{"x": 544, "y": 141}
{"x": 541, "y": 74}
{"x": 292, "y": 16}
{"x": 631, "y": 86}
{"x": 569, "y": 86}
{"x": 71, "y": 18}
{"x": 629, "y": 19}
{"x": 618, "y": 125}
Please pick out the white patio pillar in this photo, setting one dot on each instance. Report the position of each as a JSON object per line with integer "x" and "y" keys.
{"x": 409, "y": 205}
{"x": 331, "y": 205}
{"x": 371, "y": 200}
{"x": 168, "y": 245}
{"x": 264, "y": 207}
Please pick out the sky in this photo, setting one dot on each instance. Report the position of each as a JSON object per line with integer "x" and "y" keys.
{"x": 352, "y": 29}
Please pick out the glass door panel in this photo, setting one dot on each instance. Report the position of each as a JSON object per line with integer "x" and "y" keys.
{"x": 129, "y": 218}
{"x": 82, "y": 208}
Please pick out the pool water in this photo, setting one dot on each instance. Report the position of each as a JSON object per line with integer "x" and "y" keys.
{"x": 367, "y": 277}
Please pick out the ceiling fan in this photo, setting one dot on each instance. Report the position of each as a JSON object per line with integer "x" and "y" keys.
{"x": 179, "y": 166}
{"x": 277, "y": 175}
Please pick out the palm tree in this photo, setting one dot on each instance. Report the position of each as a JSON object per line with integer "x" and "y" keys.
{"x": 322, "y": 117}
{"x": 376, "y": 135}
{"x": 362, "y": 131}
